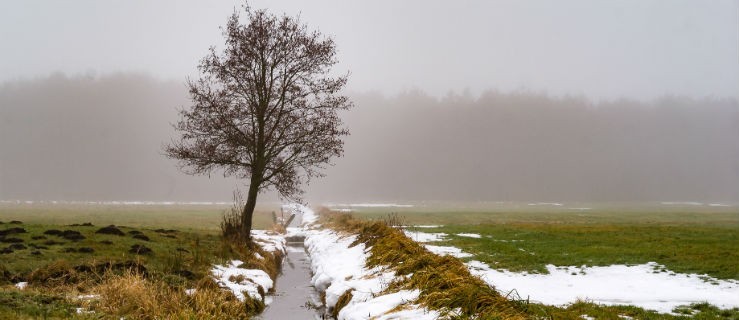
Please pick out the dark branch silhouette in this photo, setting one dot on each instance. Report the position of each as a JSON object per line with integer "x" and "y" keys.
{"x": 265, "y": 109}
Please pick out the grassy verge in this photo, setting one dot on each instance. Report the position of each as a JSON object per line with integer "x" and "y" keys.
{"x": 139, "y": 273}
{"x": 446, "y": 284}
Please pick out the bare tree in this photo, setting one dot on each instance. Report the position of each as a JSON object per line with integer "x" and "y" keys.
{"x": 264, "y": 109}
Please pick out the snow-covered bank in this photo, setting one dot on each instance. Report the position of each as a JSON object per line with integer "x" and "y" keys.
{"x": 638, "y": 285}
{"x": 338, "y": 268}
{"x": 241, "y": 281}
{"x": 248, "y": 281}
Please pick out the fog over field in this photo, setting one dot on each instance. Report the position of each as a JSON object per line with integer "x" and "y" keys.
{"x": 573, "y": 100}
{"x": 99, "y": 138}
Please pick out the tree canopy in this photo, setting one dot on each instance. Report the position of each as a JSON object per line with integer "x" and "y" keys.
{"x": 265, "y": 108}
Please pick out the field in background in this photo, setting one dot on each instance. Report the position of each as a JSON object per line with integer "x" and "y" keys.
{"x": 176, "y": 216}
{"x": 685, "y": 238}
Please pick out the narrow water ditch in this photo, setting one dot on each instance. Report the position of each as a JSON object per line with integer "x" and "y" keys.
{"x": 294, "y": 297}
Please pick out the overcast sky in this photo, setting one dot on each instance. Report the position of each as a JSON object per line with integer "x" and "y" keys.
{"x": 599, "y": 49}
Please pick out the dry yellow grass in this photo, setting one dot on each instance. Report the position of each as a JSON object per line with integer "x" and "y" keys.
{"x": 135, "y": 297}
{"x": 445, "y": 283}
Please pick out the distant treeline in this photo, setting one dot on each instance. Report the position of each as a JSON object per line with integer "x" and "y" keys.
{"x": 99, "y": 138}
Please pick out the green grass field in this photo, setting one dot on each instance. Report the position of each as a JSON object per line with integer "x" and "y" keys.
{"x": 185, "y": 242}
{"x": 526, "y": 239}
{"x": 202, "y": 218}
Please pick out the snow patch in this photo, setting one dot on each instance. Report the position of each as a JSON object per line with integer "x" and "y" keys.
{"x": 469, "y": 235}
{"x": 718, "y": 205}
{"x": 638, "y": 285}
{"x": 369, "y": 205}
{"x": 241, "y": 281}
{"x": 268, "y": 240}
{"x": 447, "y": 251}
{"x": 682, "y": 203}
{"x": 419, "y": 236}
{"x": 415, "y": 312}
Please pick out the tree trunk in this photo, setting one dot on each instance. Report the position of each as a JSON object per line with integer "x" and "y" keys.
{"x": 248, "y": 213}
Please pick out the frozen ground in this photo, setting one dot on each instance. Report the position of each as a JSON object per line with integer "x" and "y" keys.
{"x": 242, "y": 281}
{"x": 337, "y": 267}
{"x": 639, "y": 285}
{"x": 247, "y": 281}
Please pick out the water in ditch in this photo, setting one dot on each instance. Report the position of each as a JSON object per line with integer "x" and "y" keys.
{"x": 294, "y": 297}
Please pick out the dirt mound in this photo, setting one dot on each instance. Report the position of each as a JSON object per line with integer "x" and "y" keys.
{"x": 17, "y": 246}
{"x": 10, "y": 231}
{"x": 53, "y": 232}
{"x": 11, "y": 240}
{"x": 111, "y": 229}
{"x": 140, "y": 249}
{"x": 52, "y": 242}
{"x": 141, "y": 237}
{"x": 72, "y": 235}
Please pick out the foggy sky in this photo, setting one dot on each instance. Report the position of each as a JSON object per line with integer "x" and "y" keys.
{"x": 555, "y": 100}
{"x": 100, "y": 138}
{"x": 640, "y": 49}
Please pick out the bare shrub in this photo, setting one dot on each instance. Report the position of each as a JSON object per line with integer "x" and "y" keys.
{"x": 231, "y": 224}
{"x": 394, "y": 220}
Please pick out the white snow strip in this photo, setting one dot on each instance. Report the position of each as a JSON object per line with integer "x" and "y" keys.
{"x": 718, "y": 205}
{"x": 469, "y": 235}
{"x": 308, "y": 216}
{"x": 249, "y": 282}
{"x": 636, "y": 285}
{"x": 447, "y": 251}
{"x": 83, "y": 311}
{"x": 580, "y": 208}
{"x": 419, "y": 236}
{"x": 682, "y": 203}
{"x": 268, "y": 240}
{"x": 377, "y": 306}
{"x": 338, "y": 268}
{"x": 546, "y": 204}
{"x": 369, "y": 205}
{"x": 414, "y": 312}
